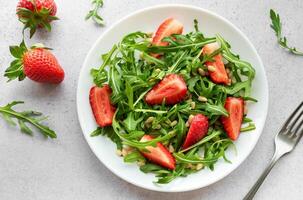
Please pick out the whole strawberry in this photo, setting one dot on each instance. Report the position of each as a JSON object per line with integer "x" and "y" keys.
{"x": 36, "y": 63}
{"x": 36, "y": 14}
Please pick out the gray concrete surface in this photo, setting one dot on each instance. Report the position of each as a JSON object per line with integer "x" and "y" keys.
{"x": 33, "y": 168}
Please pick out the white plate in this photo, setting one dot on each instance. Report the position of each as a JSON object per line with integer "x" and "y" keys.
{"x": 148, "y": 20}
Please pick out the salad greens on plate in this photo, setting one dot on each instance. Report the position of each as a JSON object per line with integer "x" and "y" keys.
{"x": 172, "y": 102}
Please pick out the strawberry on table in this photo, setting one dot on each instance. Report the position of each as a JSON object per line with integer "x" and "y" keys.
{"x": 101, "y": 105}
{"x": 36, "y": 63}
{"x": 197, "y": 130}
{"x": 172, "y": 89}
{"x": 36, "y": 13}
{"x": 232, "y": 123}
{"x": 216, "y": 68}
{"x": 159, "y": 154}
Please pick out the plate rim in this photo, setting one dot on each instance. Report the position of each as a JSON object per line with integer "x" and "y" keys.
{"x": 262, "y": 69}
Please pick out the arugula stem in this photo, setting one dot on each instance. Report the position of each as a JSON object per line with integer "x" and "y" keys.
{"x": 150, "y": 111}
{"x": 250, "y": 127}
{"x": 158, "y": 49}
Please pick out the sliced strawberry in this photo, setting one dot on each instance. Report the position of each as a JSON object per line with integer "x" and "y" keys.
{"x": 172, "y": 89}
{"x": 210, "y": 48}
{"x": 197, "y": 130}
{"x": 217, "y": 73}
{"x": 102, "y": 108}
{"x": 159, "y": 155}
{"x": 232, "y": 123}
{"x": 168, "y": 27}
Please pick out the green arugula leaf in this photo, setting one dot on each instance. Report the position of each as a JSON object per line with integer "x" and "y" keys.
{"x": 130, "y": 122}
{"x": 134, "y": 157}
{"x": 24, "y": 118}
{"x": 108, "y": 131}
{"x": 94, "y": 13}
{"x": 276, "y": 25}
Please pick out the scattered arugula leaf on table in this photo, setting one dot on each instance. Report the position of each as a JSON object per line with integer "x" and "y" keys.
{"x": 26, "y": 117}
{"x": 94, "y": 13}
{"x": 277, "y": 27}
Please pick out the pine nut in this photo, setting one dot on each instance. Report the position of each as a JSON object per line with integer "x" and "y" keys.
{"x": 174, "y": 123}
{"x": 211, "y": 68}
{"x": 201, "y": 72}
{"x": 158, "y": 127}
{"x": 149, "y": 120}
{"x": 158, "y": 70}
{"x": 124, "y": 152}
{"x": 189, "y": 165}
{"x": 141, "y": 163}
{"x": 190, "y": 119}
{"x": 171, "y": 148}
{"x": 187, "y": 124}
{"x": 193, "y": 105}
{"x": 199, "y": 166}
{"x": 202, "y": 99}
{"x": 119, "y": 152}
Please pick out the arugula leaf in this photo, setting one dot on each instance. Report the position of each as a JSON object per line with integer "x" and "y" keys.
{"x": 181, "y": 131}
{"x": 153, "y": 168}
{"x": 276, "y": 25}
{"x": 94, "y": 12}
{"x": 133, "y": 157}
{"x": 24, "y": 118}
{"x": 108, "y": 131}
{"x": 130, "y": 122}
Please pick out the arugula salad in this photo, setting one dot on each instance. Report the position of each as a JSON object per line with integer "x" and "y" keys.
{"x": 172, "y": 102}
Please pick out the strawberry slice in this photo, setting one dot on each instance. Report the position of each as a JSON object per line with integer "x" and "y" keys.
{"x": 217, "y": 73}
{"x": 101, "y": 106}
{"x": 159, "y": 155}
{"x": 197, "y": 130}
{"x": 232, "y": 123}
{"x": 168, "y": 27}
{"x": 172, "y": 89}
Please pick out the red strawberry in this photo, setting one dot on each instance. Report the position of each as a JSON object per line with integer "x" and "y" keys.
{"x": 232, "y": 123}
{"x": 197, "y": 130}
{"x": 101, "y": 106}
{"x": 36, "y": 13}
{"x": 172, "y": 89}
{"x": 168, "y": 27}
{"x": 159, "y": 155}
{"x": 216, "y": 68}
{"x": 37, "y": 63}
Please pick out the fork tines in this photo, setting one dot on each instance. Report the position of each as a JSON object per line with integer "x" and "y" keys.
{"x": 294, "y": 124}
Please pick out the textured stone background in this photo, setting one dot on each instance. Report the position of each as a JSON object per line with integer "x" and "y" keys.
{"x": 32, "y": 168}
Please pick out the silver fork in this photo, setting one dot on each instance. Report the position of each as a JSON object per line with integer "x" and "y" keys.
{"x": 285, "y": 141}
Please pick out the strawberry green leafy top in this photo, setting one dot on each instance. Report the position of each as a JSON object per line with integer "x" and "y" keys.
{"x": 36, "y": 14}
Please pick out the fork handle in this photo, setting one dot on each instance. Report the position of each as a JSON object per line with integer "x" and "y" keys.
{"x": 250, "y": 195}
